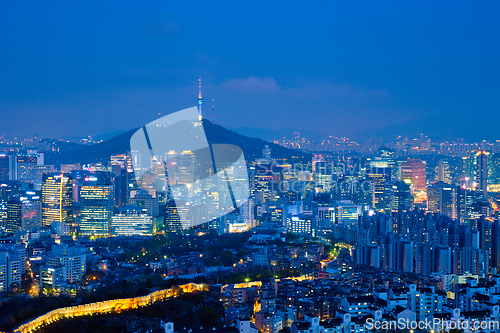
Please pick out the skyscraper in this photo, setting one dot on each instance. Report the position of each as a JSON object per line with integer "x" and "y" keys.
{"x": 25, "y": 166}
{"x": 5, "y": 167}
{"x": 96, "y": 204}
{"x": 20, "y": 166}
{"x": 466, "y": 203}
{"x": 73, "y": 258}
{"x": 24, "y": 211}
{"x": 122, "y": 188}
{"x": 145, "y": 200}
{"x": 177, "y": 216}
{"x": 266, "y": 153}
{"x": 14, "y": 215}
{"x": 131, "y": 221}
{"x": 10, "y": 270}
{"x": 324, "y": 175}
{"x": 57, "y": 202}
{"x": 379, "y": 177}
{"x": 413, "y": 172}
{"x": 482, "y": 172}
{"x": 264, "y": 181}
{"x": 445, "y": 199}
{"x": 494, "y": 168}
{"x": 443, "y": 172}
{"x": 401, "y": 199}
{"x": 184, "y": 171}
{"x": 385, "y": 159}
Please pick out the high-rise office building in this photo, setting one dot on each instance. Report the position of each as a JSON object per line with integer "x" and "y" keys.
{"x": 482, "y": 172}
{"x": 122, "y": 188}
{"x": 494, "y": 169}
{"x": 24, "y": 212}
{"x": 3, "y": 213}
{"x": 10, "y": 189}
{"x": 14, "y": 214}
{"x": 379, "y": 177}
{"x": 247, "y": 216}
{"x": 468, "y": 167}
{"x": 57, "y": 202}
{"x": 184, "y": 173}
{"x": 266, "y": 153}
{"x": 20, "y": 166}
{"x": 172, "y": 217}
{"x": 145, "y": 200}
{"x": 10, "y": 270}
{"x": 445, "y": 199}
{"x": 68, "y": 168}
{"x": 301, "y": 224}
{"x": 12, "y": 265}
{"x": 25, "y": 165}
{"x": 347, "y": 214}
{"x": 385, "y": 159}
{"x": 276, "y": 214}
{"x": 400, "y": 196}
{"x": 96, "y": 204}
{"x": 131, "y": 221}
{"x": 73, "y": 258}
{"x": 467, "y": 202}
{"x": 443, "y": 172}
{"x": 413, "y": 172}
{"x": 40, "y": 171}
{"x": 123, "y": 161}
{"x": 178, "y": 216}
{"x": 481, "y": 208}
{"x": 324, "y": 175}
{"x": 495, "y": 244}
{"x": 5, "y": 167}
{"x": 264, "y": 182}
{"x": 53, "y": 277}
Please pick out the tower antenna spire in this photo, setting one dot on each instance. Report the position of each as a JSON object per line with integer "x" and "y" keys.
{"x": 213, "y": 111}
{"x": 200, "y": 100}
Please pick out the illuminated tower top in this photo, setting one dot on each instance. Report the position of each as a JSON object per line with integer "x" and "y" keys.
{"x": 200, "y": 100}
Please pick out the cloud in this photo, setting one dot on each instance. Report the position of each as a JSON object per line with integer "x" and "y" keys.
{"x": 322, "y": 89}
{"x": 312, "y": 88}
{"x": 251, "y": 84}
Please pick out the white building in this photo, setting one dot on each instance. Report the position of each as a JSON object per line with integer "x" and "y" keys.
{"x": 300, "y": 224}
{"x": 10, "y": 270}
{"x": 131, "y": 221}
{"x": 74, "y": 259}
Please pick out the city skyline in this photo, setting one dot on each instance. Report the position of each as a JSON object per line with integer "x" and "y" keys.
{"x": 250, "y": 167}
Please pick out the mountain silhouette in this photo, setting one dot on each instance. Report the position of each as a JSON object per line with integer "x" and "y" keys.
{"x": 120, "y": 144}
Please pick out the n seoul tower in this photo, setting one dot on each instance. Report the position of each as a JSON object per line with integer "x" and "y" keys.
{"x": 200, "y": 100}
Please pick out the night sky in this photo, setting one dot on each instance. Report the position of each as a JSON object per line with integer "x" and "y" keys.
{"x": 345, "y": 69}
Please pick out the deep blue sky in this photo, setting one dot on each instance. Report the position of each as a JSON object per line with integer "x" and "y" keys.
{"x": 351, "y": 68}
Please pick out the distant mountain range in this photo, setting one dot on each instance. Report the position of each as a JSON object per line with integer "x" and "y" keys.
{"x": 438, "y": 128}
{"x": 120, "y": 144}
{"x": 272, "y": 134}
